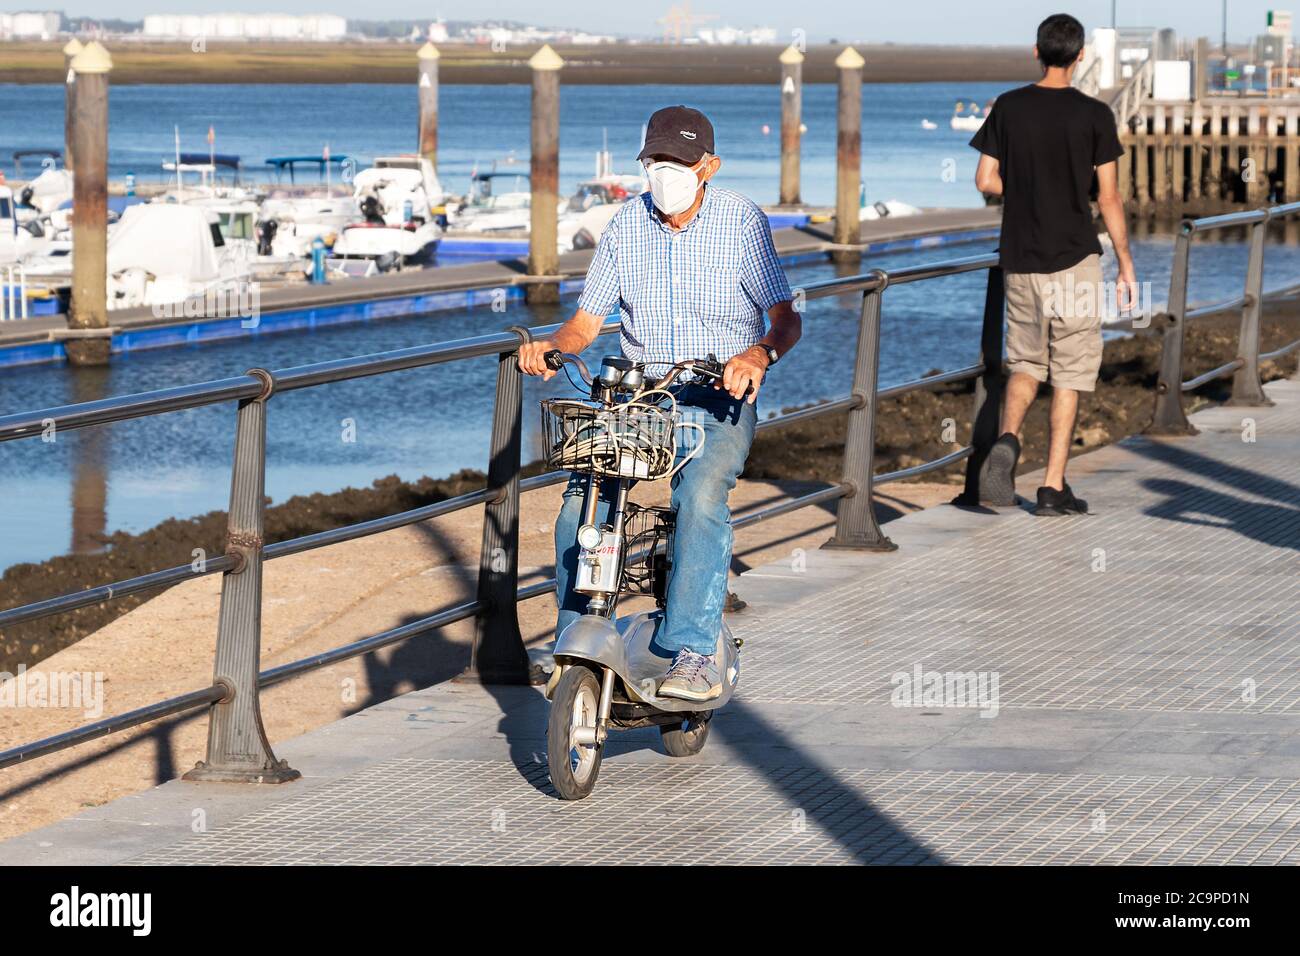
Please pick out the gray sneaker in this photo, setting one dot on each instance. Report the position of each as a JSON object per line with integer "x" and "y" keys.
{"x": 692, "y": 677}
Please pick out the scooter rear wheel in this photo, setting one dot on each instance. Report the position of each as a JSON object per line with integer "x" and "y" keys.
{"x": 687, "y": 738}
{"x": 574, "y": 763}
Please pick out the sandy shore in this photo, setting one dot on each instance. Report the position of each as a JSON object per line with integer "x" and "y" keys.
{"x": 179, "y": 63}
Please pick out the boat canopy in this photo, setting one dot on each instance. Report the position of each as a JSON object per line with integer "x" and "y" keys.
{"x": 228, "y": 160}
{"x": 164, "y": 239}
{"x": 21, "y": 154}
{"x": 281, "y": 163}
{"x": 116, "y": 204}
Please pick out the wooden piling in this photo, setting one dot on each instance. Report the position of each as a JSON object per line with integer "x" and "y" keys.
{"x": 1196, "y": 152}
{"x": 544, "y": 172}
{"x": 848, "y": 180}
{"x": 1201, "y": 67}
{"x": 428, "y": 58}
{"x": 89, "y": 342}
{"x": 70, "y": 50}
{"x": 1291, "y": 160}
{"x": 1214, "y": 186}
{"x": 791, "y": 120}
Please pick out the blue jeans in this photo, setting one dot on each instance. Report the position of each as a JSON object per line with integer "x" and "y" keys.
{"x": 697, "y": 584}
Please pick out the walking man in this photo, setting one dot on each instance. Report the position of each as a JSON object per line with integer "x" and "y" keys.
{"x": 692, "y": 270}
{"x": 1043, "y": 146}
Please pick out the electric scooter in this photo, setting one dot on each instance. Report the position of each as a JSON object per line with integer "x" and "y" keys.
{"x": 607, "y": 672}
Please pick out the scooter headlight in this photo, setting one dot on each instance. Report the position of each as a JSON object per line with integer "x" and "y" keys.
{"x": 589, "y": 536}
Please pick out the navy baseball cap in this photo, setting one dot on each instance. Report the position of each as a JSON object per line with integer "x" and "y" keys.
{"x": 680, "y": 132}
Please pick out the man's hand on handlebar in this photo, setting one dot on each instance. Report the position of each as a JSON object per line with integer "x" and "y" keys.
{"x": 532, "y": 358}
{"x": 744, "y": 372}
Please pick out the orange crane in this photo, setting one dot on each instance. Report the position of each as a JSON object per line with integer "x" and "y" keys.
{"x": 679, "y": 22}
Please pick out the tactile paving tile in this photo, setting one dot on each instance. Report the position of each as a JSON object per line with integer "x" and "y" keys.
{"x": 413, "y": 811}
{"x": 1181, "y": 593}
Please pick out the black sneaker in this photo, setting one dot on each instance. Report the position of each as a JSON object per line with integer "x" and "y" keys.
{"x": 1055, "y": 503}
{"x": 998, "y": 483}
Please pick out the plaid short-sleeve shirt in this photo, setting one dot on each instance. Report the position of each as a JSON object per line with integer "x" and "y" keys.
{"x": 683, "y": 294}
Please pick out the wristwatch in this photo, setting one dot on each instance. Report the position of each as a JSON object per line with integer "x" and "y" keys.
{"x": 772, "y": 355}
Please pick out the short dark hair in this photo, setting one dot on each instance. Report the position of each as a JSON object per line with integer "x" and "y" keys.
{"x": 1060, "y": 38}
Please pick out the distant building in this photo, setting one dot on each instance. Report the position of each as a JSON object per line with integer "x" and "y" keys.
{"x": 730, "y": 36}
{"x": 29, "y": 26}
{"x": 245, "y": 26}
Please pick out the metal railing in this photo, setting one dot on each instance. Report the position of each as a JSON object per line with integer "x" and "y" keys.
{"x": 1169, "y": 417}
{"x": 1127, "y": 102}
{"x": 13, "y": 292}
{"x": 237, "y": 748}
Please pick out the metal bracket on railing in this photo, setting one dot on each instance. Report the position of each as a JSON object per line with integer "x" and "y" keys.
{"x": 268, "y": 383}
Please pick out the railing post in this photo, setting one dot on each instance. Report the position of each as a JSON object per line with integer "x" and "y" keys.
{"x": 986, "y": 415}
{"x": 1168, "y": 417}
{"x": 238, "y": 751}
{"x": 499, "y": 656}
{"x": 855, "y": 517}
{"x": 1246, "y": 386}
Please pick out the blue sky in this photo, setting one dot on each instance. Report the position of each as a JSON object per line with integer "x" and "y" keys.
{"x": 943, "y": 21}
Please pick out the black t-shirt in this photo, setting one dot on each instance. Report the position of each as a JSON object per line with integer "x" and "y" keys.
{"x": 1047, "y": 142}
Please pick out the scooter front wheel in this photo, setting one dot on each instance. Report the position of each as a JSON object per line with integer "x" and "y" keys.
{"x": 572, "y": 753}
{"x": 687, "y": 738}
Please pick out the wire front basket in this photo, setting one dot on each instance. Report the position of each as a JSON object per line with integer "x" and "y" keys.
{"x": 635, "y": 440}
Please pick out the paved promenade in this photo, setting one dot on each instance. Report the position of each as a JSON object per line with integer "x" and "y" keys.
{"x": 1117, "y": 688}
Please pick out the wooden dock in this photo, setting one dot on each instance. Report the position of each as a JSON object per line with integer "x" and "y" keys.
{"x": 1211, "y": 153}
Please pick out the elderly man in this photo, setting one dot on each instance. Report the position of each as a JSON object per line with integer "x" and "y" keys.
{"x": 692, "y": 270}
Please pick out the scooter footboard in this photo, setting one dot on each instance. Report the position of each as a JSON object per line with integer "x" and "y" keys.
{"x": 626, "y": 649}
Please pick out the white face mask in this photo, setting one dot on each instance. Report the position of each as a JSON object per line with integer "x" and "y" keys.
{"x": 672, "y": 186}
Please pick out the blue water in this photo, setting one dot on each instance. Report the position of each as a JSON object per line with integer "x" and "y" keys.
{"x": 482, "y": 124}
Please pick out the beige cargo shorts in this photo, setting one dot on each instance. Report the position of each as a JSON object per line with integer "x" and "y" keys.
{"x": 1054, "y": 324}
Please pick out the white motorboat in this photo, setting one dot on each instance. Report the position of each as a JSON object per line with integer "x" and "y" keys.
{"x": 496, "y": 202}
{"x": 397, "y": 226}
{"x": 969, "y": 117}
{"x": 888, "y": 209}
{"x": 196, "y": 176}
{"x": 161, "y": 253}
{"x": 287, "y": 225}
{"x": 44, "y": 194}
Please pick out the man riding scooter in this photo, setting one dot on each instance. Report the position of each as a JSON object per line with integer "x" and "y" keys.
{"x": 692, "y": 270}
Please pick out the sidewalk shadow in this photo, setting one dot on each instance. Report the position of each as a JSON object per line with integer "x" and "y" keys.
{"x": 1274, "y": 525}
{"x": 1173, "y": 452}
{"x": 814, "y": 792}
